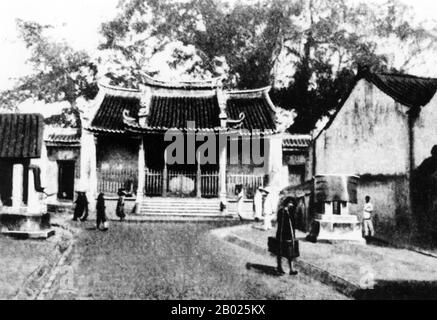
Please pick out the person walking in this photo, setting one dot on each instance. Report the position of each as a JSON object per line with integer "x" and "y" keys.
{"x": 286, "y": 236}
{"x": 101, "y": 212}
{"x": 119, "y": 211}
{"x": 81, "y": 208}
{"x": 368, "y": 230}
{"x": 240, "y": 202}
{"x": 258, "y": 205}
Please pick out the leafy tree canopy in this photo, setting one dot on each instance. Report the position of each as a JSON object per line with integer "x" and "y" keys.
{"x": 309, "y": 50}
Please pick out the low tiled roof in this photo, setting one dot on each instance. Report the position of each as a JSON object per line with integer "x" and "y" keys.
{"x": 174, "y": 112}
{"x": 109, "y": 117}
{"x": 21, "y": 135}
{"x": 411, "y": 91}
{"x": 291, "y": 142}
{"x": 257, "y": 111}
{"x": 61, "y": 138}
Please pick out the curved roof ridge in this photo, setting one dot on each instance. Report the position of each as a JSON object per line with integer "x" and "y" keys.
{"x": 232, "y": 93}
{"x": 193, "y": 84}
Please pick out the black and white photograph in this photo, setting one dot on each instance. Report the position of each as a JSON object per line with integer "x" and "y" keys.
{"x": 233, "y": 151}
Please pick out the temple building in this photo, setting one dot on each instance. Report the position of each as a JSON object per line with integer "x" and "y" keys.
{"x": 221, "y": 141}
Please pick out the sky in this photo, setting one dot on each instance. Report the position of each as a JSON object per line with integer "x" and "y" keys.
{"x": 78, "y": 21}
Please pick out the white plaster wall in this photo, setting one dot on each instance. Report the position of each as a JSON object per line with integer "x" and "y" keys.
{"x": 368, "y": 136}
{"x": 425, "y": 132}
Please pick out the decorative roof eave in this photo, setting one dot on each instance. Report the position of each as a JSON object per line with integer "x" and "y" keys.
{"x": 103, "y": 130}
{"x": 62, "y": 144}
{"x": 134, "y": 127}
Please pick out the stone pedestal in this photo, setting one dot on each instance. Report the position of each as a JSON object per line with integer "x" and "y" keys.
{"x": 339, "y": 228}
{"x": 25, "y": 225}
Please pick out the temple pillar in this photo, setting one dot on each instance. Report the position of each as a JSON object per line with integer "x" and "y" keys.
{"x": 33, "y": 197}
{"x": 141, "y": 175}
{"x": 93, "y": 171}
{"x": 17, "y": 185}
{"x": 165, "y": 176}
{"x": 88, "y": 164}
{"x": 222, "y": 173}
{"x": 199, "y": 178}
{"x": 275, "y": 161}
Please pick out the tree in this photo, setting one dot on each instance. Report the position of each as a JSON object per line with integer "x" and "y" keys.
{"x": 60, "y": 73}
{"x": 139, "y": 43}
{"x": 338, "y": 41}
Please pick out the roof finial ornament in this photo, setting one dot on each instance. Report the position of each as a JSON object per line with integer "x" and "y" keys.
{"x": 143, "y": 112}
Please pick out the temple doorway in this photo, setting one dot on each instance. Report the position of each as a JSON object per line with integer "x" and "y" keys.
{"x": 66, "y": 180}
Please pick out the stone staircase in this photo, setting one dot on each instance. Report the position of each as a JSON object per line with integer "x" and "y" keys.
{"x": 182, "y": 208}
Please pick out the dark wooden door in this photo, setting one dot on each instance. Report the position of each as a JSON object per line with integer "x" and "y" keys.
{"x": 66, "y": 180}
{"x": 6, "y": 183}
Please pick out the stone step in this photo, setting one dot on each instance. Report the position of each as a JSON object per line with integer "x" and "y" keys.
{"x": 163, "y": 211}
{"x": 180, "y": 218}
{"x": 181, "y": 214}
{"x": 170, "y": 208}
{"x": 152, "y": 207}
{"x": 186, "y": 203}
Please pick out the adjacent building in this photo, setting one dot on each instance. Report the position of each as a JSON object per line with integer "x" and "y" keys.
{"x": 382, "y": 132}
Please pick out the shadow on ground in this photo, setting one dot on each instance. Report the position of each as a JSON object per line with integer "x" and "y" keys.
{"x": 400, "y": 290}
{"x": 259, "y": 268}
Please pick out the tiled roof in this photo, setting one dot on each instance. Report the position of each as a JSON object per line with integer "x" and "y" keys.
{"x": 257, "y": 111}
{"x": 109, "y": 117}
{"x": 63, "y": 139}
{"x": 21, "y": 135}
{"x": 296, "y": 142}
{"x": 174, "y": 112}
{"x": 173, "y": 108}
{"x": 408, "y": 90}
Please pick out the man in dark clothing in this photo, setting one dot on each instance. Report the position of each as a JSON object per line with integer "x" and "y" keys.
{"x": 100, "y": 209}
{"x": 81, "y": 207}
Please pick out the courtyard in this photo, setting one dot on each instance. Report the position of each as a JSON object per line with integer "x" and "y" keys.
{"x": 169, "y": 261}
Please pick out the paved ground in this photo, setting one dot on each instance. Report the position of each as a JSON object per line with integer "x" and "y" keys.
{"x": 391, "y": 272}
{"x": 26, "y": 264}
{"x": 173, "y": 261}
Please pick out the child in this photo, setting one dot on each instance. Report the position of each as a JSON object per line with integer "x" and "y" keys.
{"x": 367, "y": 219}
{"x": 101, "y": 214}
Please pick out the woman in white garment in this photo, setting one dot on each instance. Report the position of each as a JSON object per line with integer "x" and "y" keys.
{"x": 258, "y": 205}
{"x": 240, "y": 202}
{"x": 270, "y": 207}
